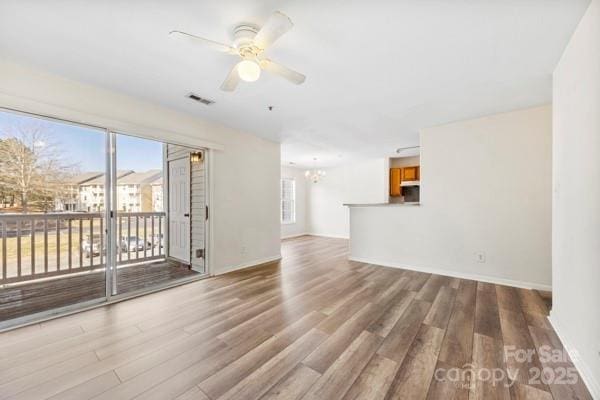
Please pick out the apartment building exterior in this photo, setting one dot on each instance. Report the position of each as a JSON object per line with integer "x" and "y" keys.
{"x": 157, "y": 194}
{"x": 91, "y": 192}
{"x": 70, "y": 201}
{"x": 135, "y": 191}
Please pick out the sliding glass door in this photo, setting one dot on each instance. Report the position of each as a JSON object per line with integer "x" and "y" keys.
{"x": 53, "y": 209}
{"x": 155, "y": 225}
{"x": 87, "y": 214}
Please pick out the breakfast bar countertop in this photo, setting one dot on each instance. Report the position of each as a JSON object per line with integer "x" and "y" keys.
{"x": 382, "y": 204}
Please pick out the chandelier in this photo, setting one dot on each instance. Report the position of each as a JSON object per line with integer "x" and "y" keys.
{"x": 314, "y": 174}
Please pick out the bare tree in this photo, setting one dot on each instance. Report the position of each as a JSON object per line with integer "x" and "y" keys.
{"x": 31, "y": 164}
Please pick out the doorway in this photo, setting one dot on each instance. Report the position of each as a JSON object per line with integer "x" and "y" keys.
{"x": 155, "y": 227}
{"x": 179, "y": 209}
{"x": 187, "y": 186}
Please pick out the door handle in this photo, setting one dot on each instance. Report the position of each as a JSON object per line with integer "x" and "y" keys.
{"x": 186, "y": 215}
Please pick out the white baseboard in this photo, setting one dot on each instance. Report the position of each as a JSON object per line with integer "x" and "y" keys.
{"x": 582, "y": 367}
{"x": 454, "y": 274}
{"x": 328, "y": 235}
{"x": 249, "y": 264}
{"x": 295, "y": 235}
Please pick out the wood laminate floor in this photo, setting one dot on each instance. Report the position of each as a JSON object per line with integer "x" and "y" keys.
{"x": 313, "y": 326}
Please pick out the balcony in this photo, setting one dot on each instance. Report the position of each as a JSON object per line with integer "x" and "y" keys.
{"x": 54, "y": 260}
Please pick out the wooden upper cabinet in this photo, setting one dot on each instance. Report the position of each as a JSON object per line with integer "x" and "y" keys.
{"x": 410, "y": 173}
{"x": 395, "y": 180}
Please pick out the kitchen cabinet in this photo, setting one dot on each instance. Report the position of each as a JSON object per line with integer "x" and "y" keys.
{"x": 395, "y": 181}
{"x": 410, "y": 173}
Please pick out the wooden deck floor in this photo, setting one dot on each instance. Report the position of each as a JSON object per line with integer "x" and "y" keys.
{"x": 313, "y": 326}
{"x": 29, "y": 298}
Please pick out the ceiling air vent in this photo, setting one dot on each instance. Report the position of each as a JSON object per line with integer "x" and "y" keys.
{"x": 199, "y": 99}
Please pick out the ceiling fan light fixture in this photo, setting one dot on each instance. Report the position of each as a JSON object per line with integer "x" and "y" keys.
{"x": 248, "y": 70}
{"x": 249, "y": 44}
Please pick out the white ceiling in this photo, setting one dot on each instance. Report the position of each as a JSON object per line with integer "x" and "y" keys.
{"x": 377, "y": 71}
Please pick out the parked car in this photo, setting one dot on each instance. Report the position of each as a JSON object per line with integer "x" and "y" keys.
{"x": 156, "y": 240}
{"x": 91, "y": 248}
{"x": 132, "y": 244}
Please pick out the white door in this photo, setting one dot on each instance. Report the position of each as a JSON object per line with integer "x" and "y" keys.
{"x": 179, "y": 209}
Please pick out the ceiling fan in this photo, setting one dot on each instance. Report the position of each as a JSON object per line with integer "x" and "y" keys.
{"x": 250, "y": 44}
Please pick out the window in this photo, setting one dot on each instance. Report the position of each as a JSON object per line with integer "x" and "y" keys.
{"x": 288, "y": 201}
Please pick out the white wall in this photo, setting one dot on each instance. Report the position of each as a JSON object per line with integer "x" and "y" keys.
{"x": 244, "y": 169}
{"x": 485, "y": 187}
{"x": 576, "y": 203}
{"x": 299, "y": 227}
{"x": 356, "y": 182}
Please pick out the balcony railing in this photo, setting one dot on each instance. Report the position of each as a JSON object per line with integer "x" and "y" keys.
{"x": 38, "y": 246}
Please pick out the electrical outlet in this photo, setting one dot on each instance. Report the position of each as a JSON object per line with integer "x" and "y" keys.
{"x": 480, "y": 257}
{"x": 243, "y": 250}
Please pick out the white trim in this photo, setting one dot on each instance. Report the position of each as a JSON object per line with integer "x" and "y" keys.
{"x": 210, "y": 226}
{"x": 593, "y": 385}
{"x": 249, "y": 264}
{"x": 111, "y": 223}
{"x": 165, "y": 194}
{"x": 207, "y": 202}
{"x": 294, "y": 235}
{"x": 329, "y": 235}
{"x": 462, "y": 275}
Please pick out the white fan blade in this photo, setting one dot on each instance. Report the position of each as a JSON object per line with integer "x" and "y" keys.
{"x": 277, "y": 24}
{"x": 232, "y": 80}
{"x": 207, "y": 42}
{"x": 284, "y": 72}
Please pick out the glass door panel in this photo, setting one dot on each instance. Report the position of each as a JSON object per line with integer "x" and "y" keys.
{"x": 186, "y": 191}
{"x": 53, "y": 196}
{"x": 141, "y": 218}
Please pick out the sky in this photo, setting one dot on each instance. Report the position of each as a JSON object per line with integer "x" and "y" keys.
{"x": 85, "y": 147}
